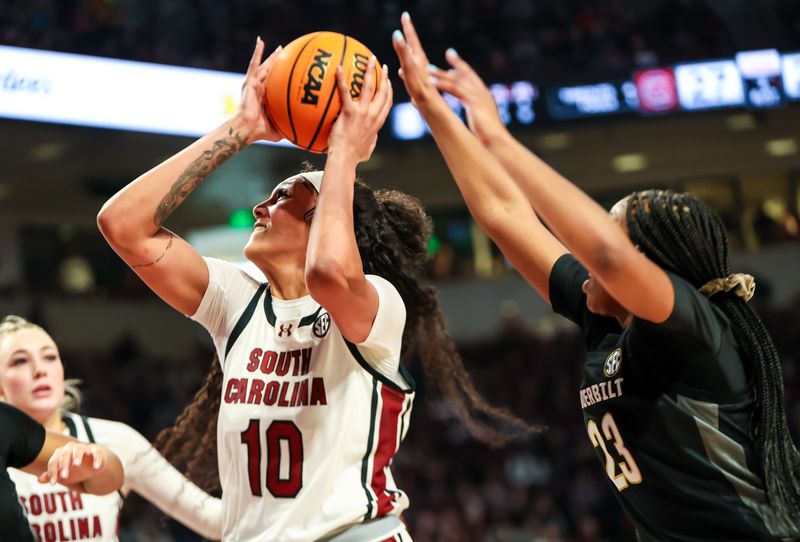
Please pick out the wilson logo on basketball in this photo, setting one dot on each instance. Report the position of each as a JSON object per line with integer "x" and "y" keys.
{"x": 360, "y": 65}
{"x": 314, "y": 77}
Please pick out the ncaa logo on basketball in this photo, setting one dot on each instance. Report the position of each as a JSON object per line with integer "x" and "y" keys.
{"x": 314, "y": 77}
{"x": 321, "y": 325}
{"x": 613, "y": 362}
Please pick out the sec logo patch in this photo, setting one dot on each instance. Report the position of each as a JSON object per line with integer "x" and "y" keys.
{"x": 613, "y": 363}
{"x": 321, "y": 325}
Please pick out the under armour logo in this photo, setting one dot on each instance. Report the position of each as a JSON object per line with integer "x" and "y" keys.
{"x": 285, "y": 329}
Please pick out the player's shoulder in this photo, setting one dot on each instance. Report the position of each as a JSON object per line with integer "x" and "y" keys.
{"x": 246, "y": 272}
{"x": 106, "y": 432}
{"x": 383, "y": 286}
{"x": 378, "y": 280}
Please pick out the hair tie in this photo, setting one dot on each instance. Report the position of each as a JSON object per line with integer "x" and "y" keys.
{"x": 742, "y": 284}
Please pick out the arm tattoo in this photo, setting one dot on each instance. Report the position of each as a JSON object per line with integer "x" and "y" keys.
{"x": 221, "y": 150}
{"x": 169, "y": 245}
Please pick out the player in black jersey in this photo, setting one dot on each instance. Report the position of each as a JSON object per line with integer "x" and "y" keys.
{"x": 682, "y": 394}
{"x": 24, "y": 444}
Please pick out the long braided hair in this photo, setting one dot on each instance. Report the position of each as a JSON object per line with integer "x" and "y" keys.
{"x": 391, "y": 231}
{"x": 683, "y": 235}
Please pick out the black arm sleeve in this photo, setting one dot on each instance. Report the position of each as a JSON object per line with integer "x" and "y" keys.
{"x": 22, "y": 437}
{"x": 568, "y": 300}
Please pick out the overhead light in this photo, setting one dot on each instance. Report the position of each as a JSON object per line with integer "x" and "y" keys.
{"x": 740, "y": 122}
{"x": 76, "y": 275}
{"x": 627, "y": 163}
{"x": 781, "y": 147}
{"x": 554, "y": 142}
{"x": 47, "y": 152}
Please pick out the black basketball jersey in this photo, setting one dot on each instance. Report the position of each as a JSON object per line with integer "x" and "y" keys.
{"x": 21, "y": 440}
{"x": 668, "y": 409}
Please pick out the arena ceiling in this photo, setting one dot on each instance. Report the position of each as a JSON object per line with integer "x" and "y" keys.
{"x": 54, "y": 173}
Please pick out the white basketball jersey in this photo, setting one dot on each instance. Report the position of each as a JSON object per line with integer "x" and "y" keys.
{"x": 57, "y": 513}
{"x": 307, "y": 426}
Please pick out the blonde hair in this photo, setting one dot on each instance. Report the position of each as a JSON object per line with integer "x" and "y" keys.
{"x": 72, "y": 395}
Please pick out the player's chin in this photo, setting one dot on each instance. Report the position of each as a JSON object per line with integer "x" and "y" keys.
{"x": 251, "y": 248}
{"x": 595, "y": 306}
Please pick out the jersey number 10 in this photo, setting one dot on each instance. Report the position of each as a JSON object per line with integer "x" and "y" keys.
{"x": 279, "y": 430}
{"x": 629, "y": 470}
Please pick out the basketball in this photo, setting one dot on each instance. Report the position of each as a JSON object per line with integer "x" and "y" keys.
{"x": 301, "y": 95}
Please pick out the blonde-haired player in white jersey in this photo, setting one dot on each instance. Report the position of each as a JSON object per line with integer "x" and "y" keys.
{"x": 313, "y": 400}
{"x": 32, "y": 379}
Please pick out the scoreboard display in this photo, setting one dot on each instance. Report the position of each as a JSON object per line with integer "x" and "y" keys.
{"x": 762, "y": 79}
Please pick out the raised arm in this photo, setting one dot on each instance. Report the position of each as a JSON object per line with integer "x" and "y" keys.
{"x": 89, "y": 468}
{"x": 334, "y": 272}
{"x": 150, "y": 475}
{"x": 494, "y": 200}
{"x": 598, "y": 242}
{"x": 132, "y": 220}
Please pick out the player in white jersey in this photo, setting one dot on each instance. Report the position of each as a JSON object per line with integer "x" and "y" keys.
{"x": 311, "y": 396}
{"x": 32, "y": 379}
{"x": 295, "y": 386}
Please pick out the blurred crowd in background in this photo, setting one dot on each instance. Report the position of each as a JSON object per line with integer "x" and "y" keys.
{"x": 504, "y": 39}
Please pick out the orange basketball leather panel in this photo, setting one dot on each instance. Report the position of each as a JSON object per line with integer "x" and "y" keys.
{"x": 301, "y": 95}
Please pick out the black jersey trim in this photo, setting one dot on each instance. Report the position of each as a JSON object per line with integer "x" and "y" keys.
{"x": 310, "y": 319}
{"x": 244, "y": 319}
{"x": 89, "y": 433}
{"x": 403, "y": 419}
{"x": 268, "y": 311}
{"x": 371, "y": 437}
{"x": 271, "y": 318}
{"x": 73, "y": 430}
{"x": 385, "y": 380}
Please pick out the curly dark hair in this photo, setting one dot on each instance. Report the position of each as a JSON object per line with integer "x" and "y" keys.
{"x": 391, "y": 231}
{"x": 684, "y": 235}
{"x": 191, "y": 443}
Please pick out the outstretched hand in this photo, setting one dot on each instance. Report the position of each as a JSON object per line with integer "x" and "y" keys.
{"x": 462, "y": 82}
{"x": 252, "y": 111}
{"x": 414, "y": 65}
{"x": 355, "y": 131}
{"x": 74, "y": 463}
